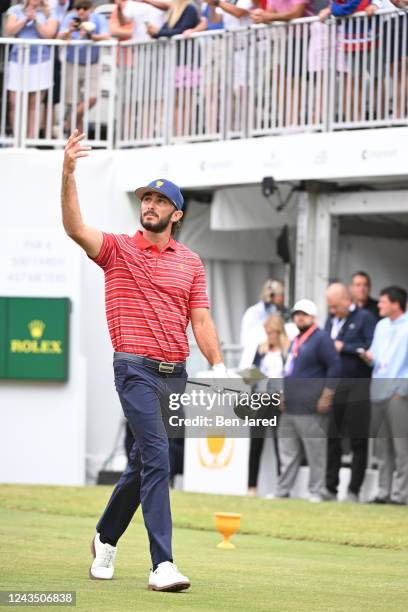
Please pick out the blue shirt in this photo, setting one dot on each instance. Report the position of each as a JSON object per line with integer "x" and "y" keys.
{"x": 390, "y": 352}
{"x": 93, "y": 52}
{"x": 38, "y": 54}
{"x": 316, "y": 366}
{"x": 188, "y": 19}
{"x": 211, "y": 25}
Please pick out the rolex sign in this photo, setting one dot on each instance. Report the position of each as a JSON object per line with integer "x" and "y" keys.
{"x": 34, "y": 338}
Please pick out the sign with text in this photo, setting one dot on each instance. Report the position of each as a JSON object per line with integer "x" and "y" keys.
{"x": 34, "y": 335}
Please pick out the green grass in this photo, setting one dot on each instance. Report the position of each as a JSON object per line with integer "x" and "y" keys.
{"x": 290, "y": 555}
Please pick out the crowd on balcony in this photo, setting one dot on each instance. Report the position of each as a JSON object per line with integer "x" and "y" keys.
{"x": 143, "y": 20}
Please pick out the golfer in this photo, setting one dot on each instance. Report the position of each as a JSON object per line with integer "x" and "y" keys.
{"x": 154, "y": 287}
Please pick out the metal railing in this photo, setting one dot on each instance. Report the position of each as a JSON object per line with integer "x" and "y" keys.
{"x": 304, "y": 75}
{"x": 45, "y": 90}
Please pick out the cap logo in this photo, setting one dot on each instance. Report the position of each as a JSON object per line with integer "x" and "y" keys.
{"x": 159, "y": 183}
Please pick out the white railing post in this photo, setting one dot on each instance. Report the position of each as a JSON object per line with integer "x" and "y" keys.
{"x": 24, "y": 97}
{"x": 169, "y": 102}
{"x": 112, "y": 101}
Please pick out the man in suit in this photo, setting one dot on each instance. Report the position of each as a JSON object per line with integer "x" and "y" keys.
{"x": 352, "y": 329}
{"x": 360, "y": 289}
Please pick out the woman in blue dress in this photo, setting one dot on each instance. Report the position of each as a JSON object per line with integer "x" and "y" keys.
{"x": 29, "y": 71}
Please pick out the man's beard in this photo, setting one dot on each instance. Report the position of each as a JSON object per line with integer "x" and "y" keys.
{"x": 156, "y": 227}
{"x": 304, "y": 327}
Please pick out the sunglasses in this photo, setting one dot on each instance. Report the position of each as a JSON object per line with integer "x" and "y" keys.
{"x": 83, "y": 8}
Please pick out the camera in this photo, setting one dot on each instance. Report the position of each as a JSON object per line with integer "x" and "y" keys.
{"x": 268, "y": 186}
{"x": 76, "y": 21}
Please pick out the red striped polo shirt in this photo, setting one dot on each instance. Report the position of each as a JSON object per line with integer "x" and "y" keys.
{"x": 149, "y": 295}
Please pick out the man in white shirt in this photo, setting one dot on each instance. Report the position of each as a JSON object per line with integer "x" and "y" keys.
{"x": 142, "y": 13}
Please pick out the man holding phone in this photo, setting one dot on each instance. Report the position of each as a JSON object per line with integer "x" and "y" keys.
{"x": 82, "y": 61}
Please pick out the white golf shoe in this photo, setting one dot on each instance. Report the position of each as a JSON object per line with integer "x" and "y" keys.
{"x": 167, "y": 577}
{"x": 102, "y": 567}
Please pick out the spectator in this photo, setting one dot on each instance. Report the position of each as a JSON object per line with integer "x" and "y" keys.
{"x": 211, "y": 53}
{"x": 352, "y": 329}
{"x": 4, "y": 7}
{"x": 360, "y": 291}
{"x": 271, "y": 301}
{"x": 252, "y": 329}
{"x": 352, "y": 42}
{"x": 321, "y": 49}
{"x": 182, "y": 16}
{"x": 29, "y": 20}
{"x": 122, "y": 30}
{"x": 135, "y": 64}
{"x": 117, "y": 29}
{"x": 303, "y": 424}
{"x": 286, "y": 10}
{"x": 282, "y": 10}
{"x": 344, "y": 8}
{"x": 214, "y": 20}
{"x": 389, "y": 395}
{"x": 141, "y": 14}
{"x": 236, "y": 15}
{"x": 59, "y": 10}
{"x": 397, "y": 51}
{"x": 269, "y": 359}
{"x": 233, "y": 15}
{"x": 278, "y": 299}
{"x": 83, "y": 24}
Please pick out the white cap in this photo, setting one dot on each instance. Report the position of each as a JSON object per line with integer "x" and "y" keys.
{"x": 306, "y": 306}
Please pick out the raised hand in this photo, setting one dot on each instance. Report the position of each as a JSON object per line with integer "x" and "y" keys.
{"x": 30, "y": 13}
{"x": 74, "y": 149}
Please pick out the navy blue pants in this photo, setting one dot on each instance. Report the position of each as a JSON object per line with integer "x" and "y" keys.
{"x": 143, "y": 393}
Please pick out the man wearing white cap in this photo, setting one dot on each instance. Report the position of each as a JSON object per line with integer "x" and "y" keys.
{"x": 310, "y": 370}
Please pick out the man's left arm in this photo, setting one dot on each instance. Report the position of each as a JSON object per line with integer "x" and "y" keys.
{"x": 207, "y": 338}
{"x": 232, "y": 9}
{"x": 364, "y": 337}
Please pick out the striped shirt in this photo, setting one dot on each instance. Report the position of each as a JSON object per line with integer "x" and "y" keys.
{"x": 149, "y": 295}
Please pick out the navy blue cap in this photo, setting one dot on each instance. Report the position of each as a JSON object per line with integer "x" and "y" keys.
{"x": 166, "y": 188}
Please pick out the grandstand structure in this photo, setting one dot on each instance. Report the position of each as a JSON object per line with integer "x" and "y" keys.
{"x": 322, "y": 109}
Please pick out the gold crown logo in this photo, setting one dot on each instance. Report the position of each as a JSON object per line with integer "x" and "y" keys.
{"x": 159, "y": 183}
{"x": 36, "y": 329}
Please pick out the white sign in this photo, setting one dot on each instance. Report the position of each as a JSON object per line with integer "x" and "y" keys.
{"x": 38, "y": 263}
{"x": 215, "y": 462}
{"x": 216, "y": 465}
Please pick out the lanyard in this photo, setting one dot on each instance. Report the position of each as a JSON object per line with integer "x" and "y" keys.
{"x": 299, "y": 340}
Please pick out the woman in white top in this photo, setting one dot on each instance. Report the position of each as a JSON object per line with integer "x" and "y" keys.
{"x": 270, "y": 359}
